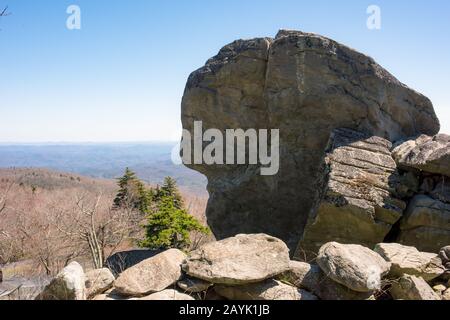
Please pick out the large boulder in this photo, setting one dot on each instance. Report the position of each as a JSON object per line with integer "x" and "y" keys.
{"x": 266, "y": 290}
{"x": 311, "y": 278}
{"x": 239, "y": 260}
{"x": 412, "y": 288}
{"x": 426, "y": 224}
{"x": 306, "y": 86}
{"x": 152, "y": 275}
{"x": 98, "y": 281}
{"x": 69, "y": 284}
{"x": 428, "y": 154}
{"x": 358, "y": 206}
{"x": 354, "y": 266}
{"x": 409, "y": 260}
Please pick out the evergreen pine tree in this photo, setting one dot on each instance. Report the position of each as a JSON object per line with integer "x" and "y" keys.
{"x": 170, "y": 225}
{"x": 169, "y": 189}
{"x": 132, "y": 193}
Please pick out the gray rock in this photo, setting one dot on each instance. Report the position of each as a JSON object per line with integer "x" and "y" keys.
{"x": 426, "y": 224}
{"x": 168, "y": 294}
{"x": 354, "y": 266}
{"x": 412, "y": 288}
{"x": 305, "y": 85}
{"x": 69, "y": 284}
{"x": 311, "y": 278}
{"x": 239, "y": 260}
{"x": 441, "y": 191}
{"x": 266, "y": 290}
{"x": 193, "y": 285}
{"x": 409, "y": 260}
{"x": 152, "y": 275}
{"x": 426, "y": 153}
{"x": 358, "y": 206}
{"x": 98, "y": 281}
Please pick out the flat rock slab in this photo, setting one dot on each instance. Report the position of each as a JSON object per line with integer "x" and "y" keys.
{"x": 266, "y": 290}
{"x": 239, "y": 260}
{"x": 426, "y": 153}
{"x": 409, "y": 260}
{"x": 354, "y": 266}
{"x": 412, "y": 288}
{"x": 152, "y": 275}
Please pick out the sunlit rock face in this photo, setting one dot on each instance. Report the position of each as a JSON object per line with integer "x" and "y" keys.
{"x": 306, "y": 86}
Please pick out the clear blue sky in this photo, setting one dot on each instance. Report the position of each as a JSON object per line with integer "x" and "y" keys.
{"x": 121, "y": 77}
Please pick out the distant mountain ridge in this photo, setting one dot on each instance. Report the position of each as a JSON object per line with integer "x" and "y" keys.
{"x": 151, "y": 161}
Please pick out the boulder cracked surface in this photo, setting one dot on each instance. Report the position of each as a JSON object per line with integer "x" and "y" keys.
{"x": 306, "y": 86}
{"x": 358, "y": 205}
{"x": 239, "y": 260}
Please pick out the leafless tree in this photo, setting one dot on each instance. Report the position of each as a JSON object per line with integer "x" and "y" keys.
{"x": 97, "y": 228}
{"x": 5, "y": 236}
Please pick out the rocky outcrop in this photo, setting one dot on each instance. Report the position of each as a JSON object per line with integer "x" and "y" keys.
{"x": 252, "y": 271}
{"x": 98, "y": 281}
{"x": 409, "y": 260}
{"x": 426, "y": 153}
{"x": 354, "y": 266}
{"x": 426, "y": 224}
{"x": 239, "y": 260}
{"x": 146, "y": 277}
{"x": 69, "y": 284}
{"x": 412, "y": 288}
{"x": 358, "y": 205}
{"x": 267, "y": 290}
{"x": 306, "y": 86}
